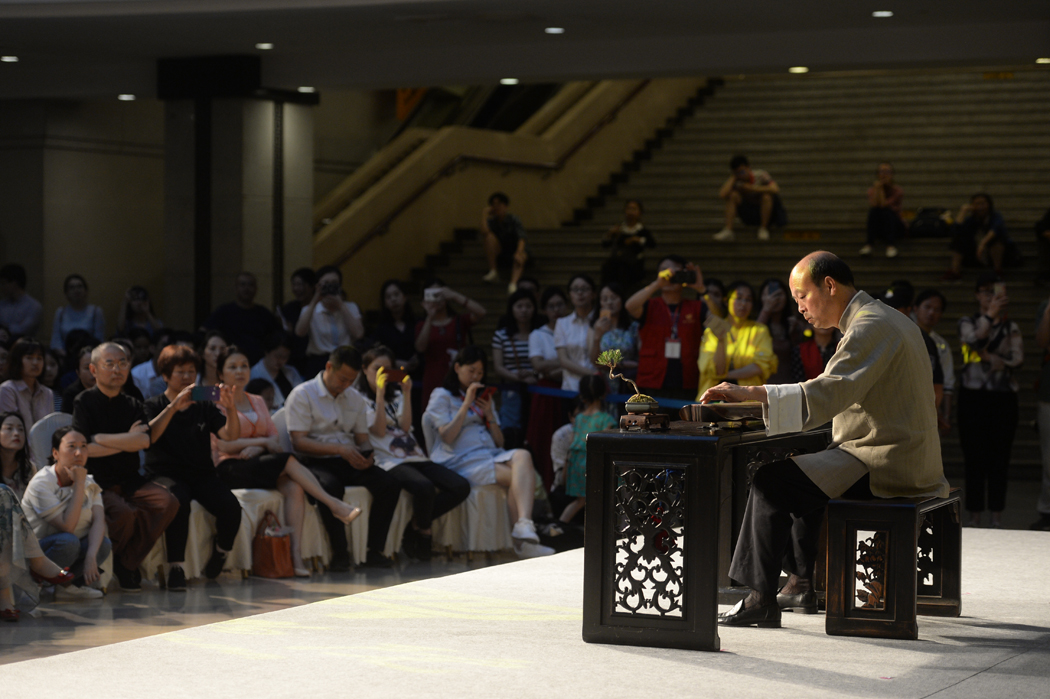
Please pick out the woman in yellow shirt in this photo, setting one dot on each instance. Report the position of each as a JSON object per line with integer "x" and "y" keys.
{"x": 738, "y": 349}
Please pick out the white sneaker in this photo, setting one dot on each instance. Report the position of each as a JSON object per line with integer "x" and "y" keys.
{"x": 525, "y": 530}
{"x": 492, "y": 277}
{"x": 527, "y": 549}
{"x": 75, "y": 592}
{"x": 725, "y": 235}
{"x": 763, "y": 234}
{"x": 891, "y": 251}
{"x": 866, "y": 250}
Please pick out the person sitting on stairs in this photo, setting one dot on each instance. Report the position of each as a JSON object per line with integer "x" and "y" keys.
{"x": 505, "y": 241}
{"x": 884, "y": 216}
{"x": 754, "y": 196}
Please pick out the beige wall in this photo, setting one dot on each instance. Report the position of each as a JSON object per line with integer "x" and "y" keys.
{"x": 350, "y": 125}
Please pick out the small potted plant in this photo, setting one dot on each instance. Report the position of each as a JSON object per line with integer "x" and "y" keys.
{"x": 639, "y": 402}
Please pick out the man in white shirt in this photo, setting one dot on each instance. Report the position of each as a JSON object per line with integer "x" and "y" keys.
{"x": 63, "y": 505}
{"x": 878, "y": 391}
{"x": 328, "y": 427}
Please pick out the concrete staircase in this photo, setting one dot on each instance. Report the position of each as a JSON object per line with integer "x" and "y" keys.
{"x": 949, "y": 134}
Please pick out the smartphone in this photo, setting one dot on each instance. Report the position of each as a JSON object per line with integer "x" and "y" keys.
{"x": 999, "y": 289}
{"x": 432, "y": 294}
{"x": 330, "y": 289}
{"x": 773, "y": 287}
{"x": 396, "y": 375}
{"x": 683, "y": 277}
{"x": 205, "y": 393}
{"x": 487, "y": 393}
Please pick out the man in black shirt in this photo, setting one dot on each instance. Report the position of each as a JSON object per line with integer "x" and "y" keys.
{"x": 181, "y": 431}
{"x": 137, "y": 511}
{"x": 244, "y": 322}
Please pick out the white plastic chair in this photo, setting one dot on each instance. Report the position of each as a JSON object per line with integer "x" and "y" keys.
{"x": 40, "y": 437}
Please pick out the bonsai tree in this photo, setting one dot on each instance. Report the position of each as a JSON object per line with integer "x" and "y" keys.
{"x": 611, "y": 358}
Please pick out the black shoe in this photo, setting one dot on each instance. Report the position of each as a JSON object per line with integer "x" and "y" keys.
{"x": 766, "y": 616}
{"x": 127, "y": 580}
{"x": 424, "y": 547}
{"x": 176, "y": 579}
{"x": 1042, "y": 524}
{"x": 213, "y": 568}
{"x": 410, "y": 542}
{"x": 378, "y": 560}
{"x": 340, "y": 562}
{"x": 803, "y": 602}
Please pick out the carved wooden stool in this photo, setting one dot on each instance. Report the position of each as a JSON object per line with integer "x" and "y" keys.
{"x": 889, "y": 559}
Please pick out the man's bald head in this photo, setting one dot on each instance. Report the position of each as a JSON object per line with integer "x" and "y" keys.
{"x": 822, "y": 264}
{"x": 822, "y": 285}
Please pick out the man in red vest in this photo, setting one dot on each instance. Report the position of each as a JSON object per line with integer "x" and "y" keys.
{"x": 670, "y": 332}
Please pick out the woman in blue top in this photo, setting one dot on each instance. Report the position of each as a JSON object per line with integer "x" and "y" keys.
{"x": 469, "y": 441}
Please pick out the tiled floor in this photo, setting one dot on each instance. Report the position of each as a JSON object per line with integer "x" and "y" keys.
{"x": 63, "y": 626}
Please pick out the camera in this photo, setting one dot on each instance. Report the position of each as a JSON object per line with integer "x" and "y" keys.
{"x": 683, "y": 277}
{"x": 432, "y": 294}
{"x": 330, "y": 289}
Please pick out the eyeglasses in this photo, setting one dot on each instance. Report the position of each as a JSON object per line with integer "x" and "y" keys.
{"x": 111, "y": 365}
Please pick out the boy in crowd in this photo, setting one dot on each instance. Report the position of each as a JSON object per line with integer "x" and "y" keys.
{"x": 754, "y": 196}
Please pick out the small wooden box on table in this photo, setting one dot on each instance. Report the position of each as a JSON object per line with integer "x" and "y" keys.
{"x": 663, "y": 509}
{"x": 890, "y": 559}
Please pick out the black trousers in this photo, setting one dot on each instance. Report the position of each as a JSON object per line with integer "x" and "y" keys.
{"x": 434, "y": 489}
{"x": 334, "y": 475}
{"x": 216, "y": 498}
{"x": 885, "y": 224}
{"x": 781, "y": 526}
{"x": 987, "y": 425}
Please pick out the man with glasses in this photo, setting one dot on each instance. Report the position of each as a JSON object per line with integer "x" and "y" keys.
{"x": 754, "y": 196}
{"x": 137, "y": 510}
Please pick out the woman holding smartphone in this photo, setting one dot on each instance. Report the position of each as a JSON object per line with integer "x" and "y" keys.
{"x": 443, "y": 332}
{"x": 614, "y": 328}
{"x": 470, "y": 443}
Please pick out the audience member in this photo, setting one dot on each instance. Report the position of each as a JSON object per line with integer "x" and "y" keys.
{"x": 23, "y": 392}
{"x": 304, "y": 284}
{"x": 144, "y": 374}
{"x": 275, "y": 369}
{"x": 1042, "y": 339}
{"x": 626, "y": 263}
{"x": 210, "y": 349}
{"x": 397, "y": 327}
{"x": 265, "y": 390}
{"x": 141, "y": 343}
{"x": 180, "y": 453}
{"x": 256, "y": 460}
{"x": 785, "y": 326}
{"x": 49, "y": 377}
{"x": 85, "y": 380}
{"x": 570, "y": 333}
{"x": 4, "y": 364}
{"x": 78, "y": 313}
{"x": 979, "y": 239}
{"x": 738, "y": 350}
{"x": 809, "y": 358}
{"x": 884, "y": 215}
{"x": 900, "y": 296}
{"x": 21, "y": 561}
{"x": 510, "y": 361}
{"x": 754, "y": 196}
{"x": 19, "y": 312}
{"x": 442, "y": 333}
{"x": 614, "y": 328}
{"x": 930, "y": 304}
{"x": 129, "y": 387}
{"x": 992, "y": 349}
{"x": 435, "y": 489}
{"x": 328, "y": 425}
{"x": 242, "y": 321}
{"x": 670, "y": 331}
{"x": 546, "y": 413}
{"x": 469, "y": 441}
{"x": 63, "y": 505}
{"x": 136, "y": 311}
{"x": 1042, "y": 240}
{"x": 714, "y": 296}
{"x": 137, "y": 511}
{"x": 591, "y": 418}
{"x": 328, "y": 320}
{"x": 506, "y": 243}
{"x": 15, "y": 467}
{"x": 5, "y": 335}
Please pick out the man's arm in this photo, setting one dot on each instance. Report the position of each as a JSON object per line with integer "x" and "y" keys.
{"x": 636, "y": 304}
{"x": 726, "y": 189}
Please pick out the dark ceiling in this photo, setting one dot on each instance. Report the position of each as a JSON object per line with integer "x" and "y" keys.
{"x": 89, "y": 49}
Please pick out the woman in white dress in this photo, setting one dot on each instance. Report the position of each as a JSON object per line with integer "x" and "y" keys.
{"x": 471, "y": 444}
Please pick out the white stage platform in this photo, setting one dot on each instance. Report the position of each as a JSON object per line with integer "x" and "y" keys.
{"x": 514, "y": 630}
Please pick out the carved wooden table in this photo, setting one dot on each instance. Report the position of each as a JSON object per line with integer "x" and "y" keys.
{"x": 663, "y": 512}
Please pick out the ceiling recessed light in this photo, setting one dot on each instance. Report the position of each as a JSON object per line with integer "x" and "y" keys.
{"x": 307, "y": 89}
{"x": 555, "y": 30}
{"x": 126, "y": 98}
{"x": 8, "y": 59}
{"x": 1042, "y": 60}
{"x": 508, "y": 81}
{"x": 882, "y": 13}
{"x": 798, "y": 69}
{"x": 264, "y": 46}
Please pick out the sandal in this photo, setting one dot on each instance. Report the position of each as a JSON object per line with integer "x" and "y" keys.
{"x": 354, "y": 513}
{"x": 9, "y": 615}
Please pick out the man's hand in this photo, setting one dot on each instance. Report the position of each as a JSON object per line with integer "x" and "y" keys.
{"x": 139, "y": 427}
{"x": 996, "y": 305}
{"x": 355, "y": 458}
{"x": 486, "y": 213}
{"x": 699, "y": 286}
{"x": 521, "y": 257}
{"x": 731, "y": 393}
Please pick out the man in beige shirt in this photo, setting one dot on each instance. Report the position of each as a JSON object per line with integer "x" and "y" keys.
{"x": 877, "y": 390}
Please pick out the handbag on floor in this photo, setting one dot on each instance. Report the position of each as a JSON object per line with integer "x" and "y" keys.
{"x": 272, "y": 549}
